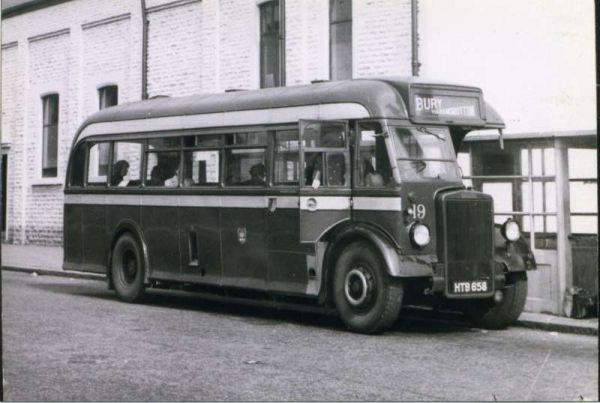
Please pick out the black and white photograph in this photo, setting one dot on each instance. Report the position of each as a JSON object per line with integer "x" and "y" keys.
{"x": 299, "y": 200}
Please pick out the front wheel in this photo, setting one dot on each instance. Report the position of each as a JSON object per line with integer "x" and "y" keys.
{"x": 486, "y": 314}
{"x": 127, "y": 269}
{"x": 367, "y": 299}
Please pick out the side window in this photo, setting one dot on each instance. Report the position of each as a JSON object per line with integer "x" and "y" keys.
{"x": 285, "y": 158}
{"x": 245, "y": 159}
{"x": 78, "y": 165}
{"x": 374, "y": 169}
{"x": 326, "y": 158}
{"x": 97, "y": 163}
{"x": 201, "y": 168}
{"x": 245, "y": 167}
{"x": 163, "y": 169}
{"x": 201, "y": 163}
{"x": 127, "y": 163}
{"x": 163, "y": 160}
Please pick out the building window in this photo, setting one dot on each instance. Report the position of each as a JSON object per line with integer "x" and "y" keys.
{"x": 50, "y": 136}
{"x": 272, "y": 44}
{"x": 340, "y": 37}
{"x": 108, "y": 96}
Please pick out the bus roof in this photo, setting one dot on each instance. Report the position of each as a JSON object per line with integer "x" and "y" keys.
{"x": 380, "y": 97}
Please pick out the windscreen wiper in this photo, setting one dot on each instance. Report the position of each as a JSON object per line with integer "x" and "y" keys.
{"x": 422, "y": 129}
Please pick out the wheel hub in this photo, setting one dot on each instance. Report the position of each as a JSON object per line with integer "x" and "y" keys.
{"x": 356, "y": 287}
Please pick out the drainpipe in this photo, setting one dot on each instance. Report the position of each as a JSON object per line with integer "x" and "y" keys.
{"x": 144, "y": 51}
{"x": 415, "y": 39}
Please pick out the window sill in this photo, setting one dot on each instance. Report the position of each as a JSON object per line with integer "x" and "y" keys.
{"x": 47, "y": 182}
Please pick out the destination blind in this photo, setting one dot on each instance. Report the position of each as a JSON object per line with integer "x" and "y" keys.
{"x": 445, "y": 106}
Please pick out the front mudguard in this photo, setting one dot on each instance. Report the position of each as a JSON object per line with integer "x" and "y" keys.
{"x": 514, "y": 256}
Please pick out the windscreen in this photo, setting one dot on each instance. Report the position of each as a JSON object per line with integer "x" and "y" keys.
{"x": 425, "y": 153}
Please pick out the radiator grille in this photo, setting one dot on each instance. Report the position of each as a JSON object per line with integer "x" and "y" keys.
{"x": 468, "y": 246}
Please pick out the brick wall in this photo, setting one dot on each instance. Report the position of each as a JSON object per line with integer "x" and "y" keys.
{"x": 174, "y": 49}
{"x": 381, "y": 42}
{"x": 206, "y": 46}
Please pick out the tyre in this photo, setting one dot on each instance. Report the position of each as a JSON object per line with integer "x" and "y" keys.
{"x": 367, "y": 299}
{"x": 490, "y": 315}
{"x": 127, "y": 269}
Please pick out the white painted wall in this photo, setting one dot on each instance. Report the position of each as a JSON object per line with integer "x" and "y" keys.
{"x": 534, "y": 59}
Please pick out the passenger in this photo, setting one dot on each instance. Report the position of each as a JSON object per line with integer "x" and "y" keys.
{"x": 372, "y": 177}
{"x": 172, "y": 178}
{"x": 257, "y": 175}
{"x": 336, "y": 170}
{"x": 312, "y": 173}
{"x": 120, "y": 170}
{"x": 156, "y": 177}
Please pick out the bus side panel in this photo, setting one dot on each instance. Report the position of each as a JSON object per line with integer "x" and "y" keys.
{"x": 94, "y": 238}
{"x": 116, "y": 215}
{"x": 161, "y": 230}
{"x": 73, "y": 237}
{"x": 287, "y": 256}
{"x": 244, "y": 248}
{"x": 200, "y": 244}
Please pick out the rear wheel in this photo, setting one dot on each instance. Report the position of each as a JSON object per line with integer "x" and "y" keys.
{"x": 490, "y": 315}
{"x": 127, "y": 269}
{"x": 367, "y": 299}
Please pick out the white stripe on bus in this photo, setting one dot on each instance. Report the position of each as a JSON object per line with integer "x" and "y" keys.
{"x": 377, "y": 203}
{"x": 322, "y": 202}
{"x": 238, "y": 118}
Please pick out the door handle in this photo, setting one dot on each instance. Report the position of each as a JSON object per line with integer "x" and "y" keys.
{"x": 272, "y": 204}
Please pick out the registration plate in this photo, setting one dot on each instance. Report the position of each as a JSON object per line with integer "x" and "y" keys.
{"x": 469, "y": 287}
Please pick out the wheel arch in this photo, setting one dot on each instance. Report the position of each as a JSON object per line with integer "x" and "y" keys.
{"x": 339, "y": 238}
{"x": 129, "y": 226}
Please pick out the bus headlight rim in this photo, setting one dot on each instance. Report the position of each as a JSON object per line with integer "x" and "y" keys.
{"x": 420, "y": 234}
{"x": 510, "y": 230}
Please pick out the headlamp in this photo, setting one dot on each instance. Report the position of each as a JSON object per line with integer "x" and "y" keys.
{"x": 510, "y": 230}
{"x": 419, "y": 234}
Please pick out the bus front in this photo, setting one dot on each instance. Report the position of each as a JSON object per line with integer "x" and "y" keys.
{"x": 459, "y": 257}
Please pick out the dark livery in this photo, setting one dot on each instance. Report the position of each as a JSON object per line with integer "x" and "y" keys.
{"x": 344, "y": 194}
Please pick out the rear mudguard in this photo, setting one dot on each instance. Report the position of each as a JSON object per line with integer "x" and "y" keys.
{"x": 514, "y": 256}
{"x": 132, "y": 227}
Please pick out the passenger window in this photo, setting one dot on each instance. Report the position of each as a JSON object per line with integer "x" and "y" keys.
{"x": 203, "y": 140}
{"x": 164, "y": 142}
{"x": 78, "y": 166}
{"x": 245, "y": 167}
{"x": 126, "y": 164}
{"x": 98, "y": 164}
{"x": 285, "y": 158}
{"x": 324, "y": 135}
{"x": 374, "y": 169}
{"x": 246, "y": 139}
{"x": 326, "y": 158}
{"x": 201, "y": 168}
{"x": 163, "y": 169}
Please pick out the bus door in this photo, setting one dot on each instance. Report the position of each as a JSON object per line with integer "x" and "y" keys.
{"x": 325, "y": 195}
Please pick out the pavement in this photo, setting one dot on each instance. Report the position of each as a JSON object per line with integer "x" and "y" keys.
{"x": 45, "y": 260}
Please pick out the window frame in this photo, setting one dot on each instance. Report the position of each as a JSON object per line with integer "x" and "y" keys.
{"x": 333, "y": 22}
{"x": 49, "y": 172}
{"x": 279, "y": 35}
{"x": 102, "y": 95}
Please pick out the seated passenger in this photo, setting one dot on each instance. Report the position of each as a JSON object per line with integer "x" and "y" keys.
{"x": 172, "y": 179}
{"x": 156, "y": 177}
{"x": 120, "y": 170}
{"x": 257, "y": 175}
